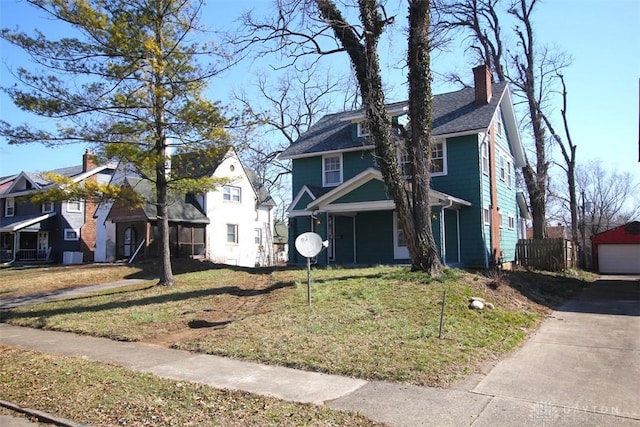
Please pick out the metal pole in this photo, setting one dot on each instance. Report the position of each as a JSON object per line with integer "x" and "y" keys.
{"x": 309, "y": 281}
{"x": 444, "y": 300}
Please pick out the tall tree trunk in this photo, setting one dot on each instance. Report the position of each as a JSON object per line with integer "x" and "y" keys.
{"x": 423, "y": 249}
{"x": 412, "y": 205}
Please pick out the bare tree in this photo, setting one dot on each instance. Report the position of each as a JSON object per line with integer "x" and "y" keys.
{"x": 282, "y": 111}
{"x": 530, "y": 74}
{"x": 319, "y": 27}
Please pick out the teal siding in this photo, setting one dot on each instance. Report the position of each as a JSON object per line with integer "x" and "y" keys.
{"x": 306, "y": 171}
{"x": 451, "y": 236}
{"x": 506, "y": 196}
{"x": 463, "y": 170}
{"x": 303, "y": 202}
{"x": 374, "y": 234}
{"x": 368, "y": 192}
{"x": 355, "y": 162}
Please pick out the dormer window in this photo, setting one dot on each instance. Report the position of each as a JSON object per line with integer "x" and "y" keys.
{"x": 363, "y": 129}
{"x": 10, "y": 207}
{"x": 47, "y": 207}
{"x": 331, "y": 170}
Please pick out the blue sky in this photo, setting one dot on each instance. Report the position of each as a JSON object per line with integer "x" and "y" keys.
{"x": 603, "y": 80}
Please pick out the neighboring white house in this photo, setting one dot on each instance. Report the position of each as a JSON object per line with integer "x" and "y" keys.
{"x": 232, "y": 225}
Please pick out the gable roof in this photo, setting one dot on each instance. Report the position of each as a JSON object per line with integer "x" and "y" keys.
{"x": 179, "y": 209}
{"x": 453, "y": 113}
{"x": 39, "y": 182}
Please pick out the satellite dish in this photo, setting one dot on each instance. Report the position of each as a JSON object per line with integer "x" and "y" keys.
{"x": 309, "y": 244}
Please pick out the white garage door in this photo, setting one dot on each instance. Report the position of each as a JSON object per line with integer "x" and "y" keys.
{"x": 622, "y": 259}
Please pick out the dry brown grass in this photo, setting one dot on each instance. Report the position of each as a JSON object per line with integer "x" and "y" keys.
{"x": 19, "y": 281}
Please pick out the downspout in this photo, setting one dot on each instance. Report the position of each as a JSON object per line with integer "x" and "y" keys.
{"x": 482, "y": 225}
{"x": 443, "y": 244}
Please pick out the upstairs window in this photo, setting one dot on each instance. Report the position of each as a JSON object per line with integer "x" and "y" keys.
{"x": 258, "y": 236}
{"x": 439, "y": 158}
{"x": 512, "y": 222}
{"x": 404, "y": 162}
{"x": 47, "y": 207}
{"x": 10, "y": 207}
{"x": 485, "y": 158}
{"x": 231, "y": 194}
{"x": 362, "y": 129}
{"x": 74, "y": 206}
{"x": 497, "y": 123}
{"x": 331, "y": 171}
{"x": 509, "y": 174}
{"x": 503, "y": 171}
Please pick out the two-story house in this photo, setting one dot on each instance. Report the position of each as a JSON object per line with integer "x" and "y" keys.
{"x": 60, "y": 231}
{"x": 339, "y": 193}
{"x": 231, "y": 225}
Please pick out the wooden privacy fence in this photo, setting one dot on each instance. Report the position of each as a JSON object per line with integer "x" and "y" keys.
{"x": 555, "y": 254}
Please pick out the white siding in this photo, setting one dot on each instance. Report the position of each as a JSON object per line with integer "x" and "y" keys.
{"x": 244, "y": 213}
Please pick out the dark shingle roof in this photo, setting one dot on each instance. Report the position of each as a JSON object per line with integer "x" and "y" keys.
{"x": 180, "y": 208}
{"x": 453, "y": 112}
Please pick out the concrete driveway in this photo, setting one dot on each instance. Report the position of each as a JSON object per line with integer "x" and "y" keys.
{"x": 584, "y": 360}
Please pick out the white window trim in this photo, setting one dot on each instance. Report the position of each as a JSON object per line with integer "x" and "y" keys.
{"x": 444, "y": 157}
{"x": 486, "y": 216}
{"x": 512, "y": 222}
{"x": 231, "y": 189}
{"x": 9, "y": 202}
{"x": 399, "y": 252}
{"x": 324, "y": 181}
{"x": 503, "y": 169}
{"x": 236, "y": 234}
{"x": 258, "y": 236}
{"x": 69, "y": 204}
{"x": 74, "y": 230}
{"x": 509, "y": 174}
{"x": 484, "y": 155}
{"x": 43, "y": 207}
{"x": 498, "y": 123}
{"x": 501, "y": 220}
{"x": 362, "y": 129}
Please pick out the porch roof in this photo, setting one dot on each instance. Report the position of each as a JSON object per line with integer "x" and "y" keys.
{"x": 366, "y": 192}
{"x": 17, "y": 223}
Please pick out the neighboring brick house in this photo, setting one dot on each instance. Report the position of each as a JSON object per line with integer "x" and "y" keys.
{"x": 339, "y": 192}
{"x": 60, "y": 232}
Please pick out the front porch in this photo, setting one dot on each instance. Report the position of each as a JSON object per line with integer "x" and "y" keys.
{"x": 359, "y": 221}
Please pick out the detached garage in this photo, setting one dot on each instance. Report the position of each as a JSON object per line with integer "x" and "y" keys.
{"x": 617, "y": 251}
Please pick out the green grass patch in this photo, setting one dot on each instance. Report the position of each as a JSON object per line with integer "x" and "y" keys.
{"x": 101, "y": 394}
{"x": 375, "y": 323}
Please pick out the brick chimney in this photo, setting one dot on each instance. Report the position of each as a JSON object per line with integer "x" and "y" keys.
{"x": 482, "y": 83}
{"x": 88, "y": 161}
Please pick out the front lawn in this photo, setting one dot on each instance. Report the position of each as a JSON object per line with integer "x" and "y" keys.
{"x": 373, "y": 323}
{"x": 100, "y": 394}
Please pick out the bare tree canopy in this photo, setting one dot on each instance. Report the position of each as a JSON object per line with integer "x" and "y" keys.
{"x": 313, "y": 28}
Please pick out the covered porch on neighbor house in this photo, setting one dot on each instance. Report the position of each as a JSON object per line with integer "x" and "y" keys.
{"x": 359, "y": 221}
{"x": 27, "y": 239}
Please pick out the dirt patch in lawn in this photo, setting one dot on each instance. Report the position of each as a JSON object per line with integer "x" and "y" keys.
{"x": 251, "y": 299}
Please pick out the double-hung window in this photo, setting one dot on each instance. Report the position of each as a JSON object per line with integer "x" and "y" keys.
{"x": 74, "y": 206}
{"x": 258, "y": 236}
{"x": 232, "y": 233}
{"x": 404, "y": 162}
{"x": 332, "y": 170}
{"x": 509, "y": 174}
{"x": 439, "y": 158}
{"x": 231, "y": 194}
{"x": 9, "y": 206}
{"x": 362, "y": 129}
{"x": 485, "y": 158}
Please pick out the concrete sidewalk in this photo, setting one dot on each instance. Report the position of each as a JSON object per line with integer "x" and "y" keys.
{"x": 580, "y": 369}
